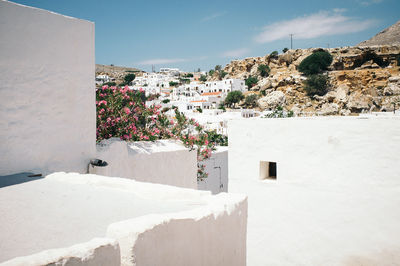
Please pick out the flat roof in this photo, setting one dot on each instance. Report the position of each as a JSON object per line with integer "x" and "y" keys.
{"x": 66, "y": 209}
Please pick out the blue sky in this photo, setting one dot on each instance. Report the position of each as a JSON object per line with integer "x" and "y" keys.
{"x": 201, "y": 34}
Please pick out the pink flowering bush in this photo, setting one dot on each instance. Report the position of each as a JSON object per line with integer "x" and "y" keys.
{"x": 122, "y": 113}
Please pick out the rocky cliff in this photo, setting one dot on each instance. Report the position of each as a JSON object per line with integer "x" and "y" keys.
{"x": 361, "y": 79}
{"x": 116, "y": 72}
{"x": 389, "y": 36}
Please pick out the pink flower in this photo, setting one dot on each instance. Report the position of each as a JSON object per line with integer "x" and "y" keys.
{"x": 127, "y": 110}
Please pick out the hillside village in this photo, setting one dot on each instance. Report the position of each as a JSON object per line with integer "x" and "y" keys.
{"x": 142, "y": 172}
{"x": 361, "y": 79}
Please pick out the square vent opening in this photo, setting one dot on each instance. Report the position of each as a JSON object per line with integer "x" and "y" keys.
{"x": 268, "y": 170}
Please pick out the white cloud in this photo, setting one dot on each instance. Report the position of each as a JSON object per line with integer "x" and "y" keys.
{"x": 370, "y": 2}
{"x": 161, "y": 61}
{"x": 339, "y": 10}
{"x": 213, "y": 16}
{"x": 312, "y": 26}
{"x": 236, "y": 52}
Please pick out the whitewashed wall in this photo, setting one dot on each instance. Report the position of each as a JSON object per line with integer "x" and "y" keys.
{"x": 163, "y": 162}
{"x": 208, "y": 230}
{"x": 341, "y": 150}
{"x": 217, "y": 169}
{"x": 47, "y": 111}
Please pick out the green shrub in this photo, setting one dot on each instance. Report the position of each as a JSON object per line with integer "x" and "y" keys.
{"x": 199, "y": 110}
{"x": 165, "y": 101}
{"x": 316, "y": 85}
{"x": 183, "y": 80}
{"x": 203, "y": 78}
{"x": 279, "y": 113}
{"x": 218, "y": 67}
{"x": 274, "y": 54}
{"x": 284, "y": 50}
{"x": 264, "y": 70}
{"x": 221, "y": 106}
{"x": 217, "y": 139}
{"x": 173, "y": 84}
{"x": 251, "y": 100}
{"x": 211, "y": 72}
{"x": 315, "y": 63}
{"x": 251, "y": 81}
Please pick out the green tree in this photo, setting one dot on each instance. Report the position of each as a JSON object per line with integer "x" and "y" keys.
{"x": 264, "y": 70}
{"x": 203, "y": 78}
{"x": 251, "y": 81}
{"x": 218, "y": 67}
{"x": 128, "y": 78}
{"x": 173, "y": 84}
{"x": 211, "y": 72}
{"x": 233, "y": 98}
{"x": 284, "y": 50}
{"x": 165, "y": 101}
{"x": 251, "y": 100}
{"x": 315, "y": 63}
{"x": 316, "y": 85}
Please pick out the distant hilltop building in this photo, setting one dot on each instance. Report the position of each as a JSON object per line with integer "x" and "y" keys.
{"x": 170, "y": 71}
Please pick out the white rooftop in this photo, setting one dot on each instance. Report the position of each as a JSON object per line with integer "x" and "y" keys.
{"x": 65, "y": 209}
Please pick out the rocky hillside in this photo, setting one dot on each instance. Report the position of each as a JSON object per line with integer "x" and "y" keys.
{"x": 116, "y": 72}
{"x": 361, "y": 79}
{"x": 389, "y": 36}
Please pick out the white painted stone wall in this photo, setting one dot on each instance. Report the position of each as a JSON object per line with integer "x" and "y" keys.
{"x": 172, "y": 226}
{"x": 47, "y": 111}
{"x": 329, "y": 150}
{"x": 212, "y": 235}
{"x": 164, "y": 162}
{"x": 217, "y": 169}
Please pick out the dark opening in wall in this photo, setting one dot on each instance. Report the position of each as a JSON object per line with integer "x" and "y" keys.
{"x": 268, "y": 170}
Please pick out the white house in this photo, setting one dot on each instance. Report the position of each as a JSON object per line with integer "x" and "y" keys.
{"x": 211, "y": 92}
{"x": 101, "y": 79}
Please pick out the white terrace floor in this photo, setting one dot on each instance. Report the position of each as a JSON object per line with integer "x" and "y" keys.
{"x": 50, "y": 213}
{"x": 297, "y": 224}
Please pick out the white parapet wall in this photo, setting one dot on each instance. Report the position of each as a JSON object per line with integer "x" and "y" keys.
{"x": 164, "y": 162}
{"x": 78, "y": 220}
{"x": 217, "y": 169}
{"x": 47, "y": 91}
{"x": 329, "y": 150}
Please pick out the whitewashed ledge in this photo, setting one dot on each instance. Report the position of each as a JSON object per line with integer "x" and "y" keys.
{"x": 98, "y": 251}
{"x": 166, "y": 162}
{"x": 75, "y": 219}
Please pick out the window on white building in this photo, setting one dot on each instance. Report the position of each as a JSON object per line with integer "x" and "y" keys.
{"x": 268, "y": 170}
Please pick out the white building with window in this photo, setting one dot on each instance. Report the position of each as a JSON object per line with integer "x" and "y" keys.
{"x": 212, "y": 92}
